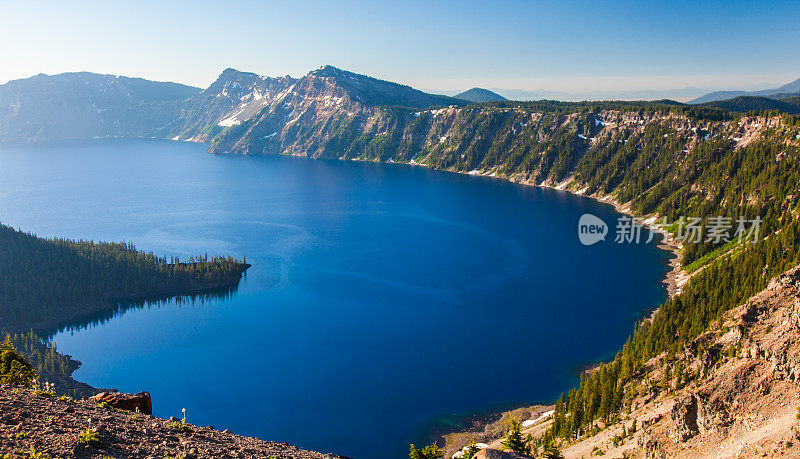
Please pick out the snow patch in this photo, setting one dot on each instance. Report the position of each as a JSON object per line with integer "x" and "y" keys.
{"x": 541, "y": 417}
{"x": 228, "y": 122}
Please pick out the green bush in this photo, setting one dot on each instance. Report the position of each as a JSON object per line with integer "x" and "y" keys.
{"x": 181, "y": 427}
{"x": 91, "y": 438}
{"x": 14, "y": 369}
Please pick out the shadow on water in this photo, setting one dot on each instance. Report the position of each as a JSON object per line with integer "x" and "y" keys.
{"x": 117, "y": 308}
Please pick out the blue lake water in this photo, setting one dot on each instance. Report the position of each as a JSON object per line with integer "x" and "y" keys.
{"x": 380, "y": 297}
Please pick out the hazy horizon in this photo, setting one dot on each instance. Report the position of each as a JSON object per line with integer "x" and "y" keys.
{"x": 568, "y": 49}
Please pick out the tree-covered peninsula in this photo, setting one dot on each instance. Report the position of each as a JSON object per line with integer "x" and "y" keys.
{"x": 47, "y": 282}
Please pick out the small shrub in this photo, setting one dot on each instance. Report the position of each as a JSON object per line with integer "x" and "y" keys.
{"x": 33, "y": 454}
{"x": 91, "y": 438}
{"x": 44, "y": 390}
{"x": 181, "y": 427}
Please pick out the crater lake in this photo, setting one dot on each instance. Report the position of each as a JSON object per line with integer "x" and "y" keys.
{"x": 381, "y": 296}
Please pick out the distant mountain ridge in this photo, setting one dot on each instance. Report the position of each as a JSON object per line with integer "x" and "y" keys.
{"x": 240, "y": 106}
{"x": 85, "y": 105}
{"x": 480, "y": 95}
{"x": 744, "y": 104}
{"x": 788, "y": 89}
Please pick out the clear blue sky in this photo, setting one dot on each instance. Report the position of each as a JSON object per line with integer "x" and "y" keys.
{"x": 435, "y": 45}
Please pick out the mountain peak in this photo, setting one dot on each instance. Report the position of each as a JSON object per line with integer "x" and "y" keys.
{"x": 368, "y": 90}
{"x": 480, "y": 95}
{"x": 328, "y": 70}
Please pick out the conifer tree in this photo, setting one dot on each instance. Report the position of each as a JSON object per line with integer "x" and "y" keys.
{"x": 514, "y": 439}
{"x": 14, "y": 369}
{"x": 429, "y": 452}
{"x": 551, "y": 451}
{"x": 469, "y": 451}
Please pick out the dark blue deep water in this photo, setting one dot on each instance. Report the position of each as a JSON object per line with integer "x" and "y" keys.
{"x": 381, "y": 296}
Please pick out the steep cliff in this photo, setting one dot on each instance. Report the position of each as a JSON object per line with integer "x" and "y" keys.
{"x": 233, "y": 98}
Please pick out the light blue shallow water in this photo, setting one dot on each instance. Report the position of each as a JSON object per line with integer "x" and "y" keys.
{"x": 381, "y": 296}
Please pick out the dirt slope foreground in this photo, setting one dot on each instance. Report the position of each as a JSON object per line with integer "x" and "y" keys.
{"x": 31, "y": 422}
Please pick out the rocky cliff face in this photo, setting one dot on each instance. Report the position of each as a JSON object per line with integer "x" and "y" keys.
{"x": 743, "y": 397}
{"x": 315, "y": 116}
{"x": 536, "y": 143}
{"x": 234, "y": 98}
{"x": 85, "y": 105}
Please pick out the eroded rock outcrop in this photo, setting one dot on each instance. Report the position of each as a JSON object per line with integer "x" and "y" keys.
{"x": 139, "y": 403}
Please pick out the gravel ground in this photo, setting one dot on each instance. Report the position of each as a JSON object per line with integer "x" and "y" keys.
{"x": 53, "y": 426}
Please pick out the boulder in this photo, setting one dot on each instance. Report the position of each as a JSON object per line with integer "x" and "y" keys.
{"x": 490, "y": 453}
{"x": 129, "y": 402}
